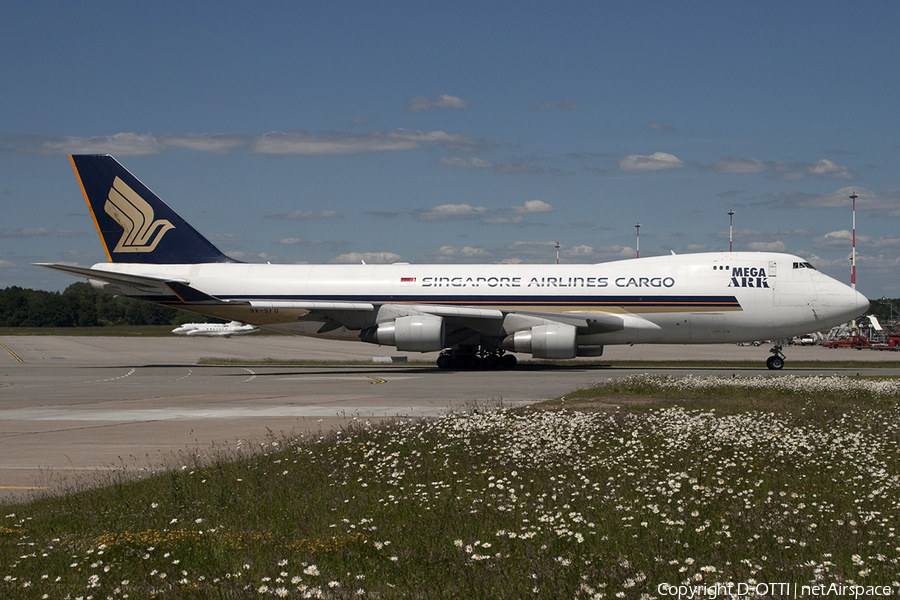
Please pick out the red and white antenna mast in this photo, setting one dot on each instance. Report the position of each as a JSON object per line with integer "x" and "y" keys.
{"x": 638, "y": 228}
{"x": 853, "y": 197}
{"x": 730, "y": 230}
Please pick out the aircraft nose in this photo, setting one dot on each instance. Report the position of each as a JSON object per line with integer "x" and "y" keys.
{"x": 862, "y": 303}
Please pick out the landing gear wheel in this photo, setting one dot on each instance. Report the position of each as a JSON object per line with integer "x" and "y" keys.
{"x": 775, "y": 363}
{"x": 444, "y": 362}
{"x": 491, "y": 362}
{"x": 508, "y": 361}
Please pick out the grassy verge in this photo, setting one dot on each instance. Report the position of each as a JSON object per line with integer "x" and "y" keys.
{"x": 664, "y": 485}
{"x": 805, "y": 400}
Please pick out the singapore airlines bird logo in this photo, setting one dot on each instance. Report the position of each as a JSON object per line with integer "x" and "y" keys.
{"x": 135, "y": 216}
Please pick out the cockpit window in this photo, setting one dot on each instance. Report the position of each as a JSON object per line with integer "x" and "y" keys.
{"x": 803, "y": 265}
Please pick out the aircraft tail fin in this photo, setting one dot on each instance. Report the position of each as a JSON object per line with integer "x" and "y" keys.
{"x": 134, "y": 224}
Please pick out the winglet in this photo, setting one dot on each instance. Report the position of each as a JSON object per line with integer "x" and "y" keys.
{"x": 134, "y": 224}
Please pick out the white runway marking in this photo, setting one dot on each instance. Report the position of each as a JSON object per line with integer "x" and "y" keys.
{"x": 128, "y": 374}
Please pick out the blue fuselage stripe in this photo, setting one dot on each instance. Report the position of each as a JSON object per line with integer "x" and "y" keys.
{"x": 508, "y": 300}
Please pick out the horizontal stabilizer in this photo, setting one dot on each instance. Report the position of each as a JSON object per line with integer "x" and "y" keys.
{"x": 139, "y": 282}
{"x": 129, "y": 285}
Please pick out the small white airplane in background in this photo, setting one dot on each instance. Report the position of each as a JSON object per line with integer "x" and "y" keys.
{"x": 225, "y": 330}
{"x": 474, "y": 315}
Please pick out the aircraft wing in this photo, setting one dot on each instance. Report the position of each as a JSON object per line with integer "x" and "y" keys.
{"x": 467, "y": 316}
{"x": 343, "y": 311}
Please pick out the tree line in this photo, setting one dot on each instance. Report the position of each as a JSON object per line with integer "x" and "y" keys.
{"x": 80, "y": 305}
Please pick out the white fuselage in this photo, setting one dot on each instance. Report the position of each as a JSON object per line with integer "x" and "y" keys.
{"x": 692, "y": 298}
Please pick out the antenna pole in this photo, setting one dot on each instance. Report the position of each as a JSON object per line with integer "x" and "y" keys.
{"x": 853, "y": 197}
{"x": 730, "y": 230}
{"x": 638, "y": 228}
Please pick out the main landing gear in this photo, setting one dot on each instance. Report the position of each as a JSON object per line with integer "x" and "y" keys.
{"x": 459, "y": 360}
{"x": 776, "y": 361}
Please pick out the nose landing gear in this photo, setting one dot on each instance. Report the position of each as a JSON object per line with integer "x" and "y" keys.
{"x": 776, "y": 361}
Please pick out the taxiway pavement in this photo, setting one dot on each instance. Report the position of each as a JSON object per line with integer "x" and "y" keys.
{"x": 75, "y": 406}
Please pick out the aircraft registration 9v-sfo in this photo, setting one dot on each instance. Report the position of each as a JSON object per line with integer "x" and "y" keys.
{"x": 474, "y": 315}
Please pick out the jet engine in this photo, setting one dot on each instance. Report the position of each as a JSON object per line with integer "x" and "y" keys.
{"x": 555, "y": 340}
{"x": 415, "y": 333}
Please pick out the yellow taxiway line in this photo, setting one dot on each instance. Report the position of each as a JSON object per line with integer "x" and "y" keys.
{"x": 14, "y": 355}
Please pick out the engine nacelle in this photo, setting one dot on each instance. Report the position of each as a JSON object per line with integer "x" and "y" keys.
{"x": 415, "y": 333}
{"x": 555, "y": 340}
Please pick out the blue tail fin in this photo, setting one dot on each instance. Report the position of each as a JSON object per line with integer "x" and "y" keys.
{"x": 135, "y": 226}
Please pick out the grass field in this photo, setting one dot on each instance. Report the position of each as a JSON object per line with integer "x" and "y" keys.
{"x": 612, "y": 492}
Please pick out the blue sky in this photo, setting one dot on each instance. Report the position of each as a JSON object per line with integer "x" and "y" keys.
{"x": 460, "y": 132}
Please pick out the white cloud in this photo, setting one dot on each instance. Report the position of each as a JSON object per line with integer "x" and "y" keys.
{"x": 655, "y": 162}
{"x": 467, "y": 163}
{"x": 466, "y": 252}
{"x": 225, "y": 238}
{"x": 530, "y": 252}
{"x": 278, "y": 143}
{"x": 533, "y": 206}
{"x": 737, "y": 164}
{"x": 35, "y": 232}
{"x": 446, "y": 212}
{"x": 298, "y": 242}
{"x": 843, "y": 240}
{"x": 584, "y": 253}
{"x": 776, "y": 246}
{"x": 301, "y": 142}
{"x": 472, "y": 252}
{"x": 368, "y": 257}
{"x": 886, "y": 203}
{"x": 214, "y": 144}
{"x": 122, "y": 144}
{"x": 422, "y": 103}
{"x": 826, "y": 168}
{"x": 578, "y": 251}
{"x": 782, "y": 171}
{"x": 517, "y": 220}
{"x": 247, "y": 257}
{"x": 302, "y": 215}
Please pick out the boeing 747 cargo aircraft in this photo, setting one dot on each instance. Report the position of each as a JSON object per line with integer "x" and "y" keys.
{"x": 474, "y": 315}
